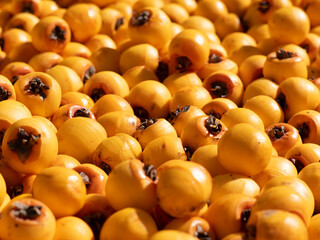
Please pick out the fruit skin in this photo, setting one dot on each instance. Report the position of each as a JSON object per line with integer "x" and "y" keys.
{"x": 61, "y": 189}
{"x": 172, "y": 234}
{"x": 13, "y": 227}
{"x": 183, "y": 188}
{"x": 3, "y": 190}
{"x": 313, "y": 228}
{"x": 245, "y": 150}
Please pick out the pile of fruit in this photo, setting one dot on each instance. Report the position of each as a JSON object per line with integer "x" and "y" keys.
{"x": 159, "y": 119}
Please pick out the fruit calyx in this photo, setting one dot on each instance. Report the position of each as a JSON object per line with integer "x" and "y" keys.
{"x": 82, "y": 112}
{"x": 183, "y": 63}
{"x": 173, "y": 115}
{"x": 58, "y": 34}
{"x": 23, "y": 143}
{"x": 140, "y": 18}
{"x": 25, "y": 212}
{"x": 283, "y": 54}
{"x": 264, "y": 6}
{"x": 201, "y": 234}
{"x": 85, "y": 179}
{"x": 36, "y": 87}
{"x": 147, "y": 123}
{"x": 213, "y": 125}
{"x": 219, "y": 89}
{"x": 277, "y": 132}
{"x": 4, "y": 94}
{"x": 150, "y": 171}
{"x": 97, "y": 93}
{"x": 303, "y": 130}
{"x": 214, "y": 58}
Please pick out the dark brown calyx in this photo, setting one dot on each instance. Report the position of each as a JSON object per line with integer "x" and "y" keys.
{"x": 97, "y": 93}
{"x": 23, "y": 144}
{"x": 162, "y": 71}
{"x": 58, "y": 34}
{"x": 82, "y": 112}
{"x": 303, "y": 130}
{"x": 297, "y": 163}
{"x": 219, "y": 89}
{"x": 16, "y": 190}
{"x": 95, "y": 220}
{"x": 281, "y": 99}
{"x": 213, "y": 58}
{"x": 37, "y": 87}
{"x": 141, "y": 18}
{"x": 106, "y": 168}
{"x": 150, "y": 171}
{"x": 183, "y": 63}
{"x": 147, "y": 123}
{"x": 283, "y": 54}
{"x": 213, "y": 113}
{"x": 85, "y": 179}
{"x": 245, "y": 214}
{"x": 213, "y": 125}
{"x": 4, "y": 94}
{"x": 189, "y": 152}
{"x": 119, "y": 22}
{"x": 27, "y": 7}
{"x": 26, "y": 212}
{"x": 201, "y": 234}
{"x": 277, "y": 132}
{"x": 88, "y": 73}
{"x": 250, "y": 233}
{"x": 264, "y": 6}
{"x": 2, "y": 131}
{"x": 141, "y": 113}
{"x": 173, "y": 115}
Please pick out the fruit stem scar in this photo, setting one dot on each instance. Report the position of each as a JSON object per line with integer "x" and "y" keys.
{"x": 201, "y": 234}
{"x": 277, "y": 132}
{"x": 183, "y": 63}
{"x": 173, "y": 115}
{"x": 82, "y": 112}
{"x": 214, "y": 58}
{"x": 264, "y": 6}
{"x": 97, "y": 93}
{"x": 26, "y": 212}
{"x": 150, "y": 171}
{"x": 23, "y": 143}
{"x": 4, "y": 94}
{"x": 58, "y": 34}
{"x": 213, "y": 125}
{"x": 219, "y": 89}
{"x": 36, "y": 87}
{"x": 140, "y": 18}
{"x": 147, "y": 123}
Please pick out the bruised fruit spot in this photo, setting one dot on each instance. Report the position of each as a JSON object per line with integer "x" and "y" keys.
{"x": 97, "y": 93}
{"x": 201, "y": 234}
{"x": 219, "y": 89}
{"x": 119, "y": 22}
{"x": 83, "y": 112}
{"x": 214, "y": 58}
{"x": 213, "y": 125}
{"x": 89, "y": 72}
{"x": 277, "y": 132}
{"x": 140, "y": 18}
{"x": 303, "y": 130}
{"x": 4, "y": 94}
{"x": 27, "y": 7}
{"x": 299, "y": 165}
{"x": 162, "y": 71}
{"x": 26, "y": 212}
{"x": 141, "y": 113}
{"x": 36, "y": 87}
{"x": 150, "y": 171}
{"x": 281, "y": 99}
{"x": 264, "y": 6}
{"x": 23, "y": 144}
{"x": 147, "y": 123}
{"x": 58, "y": 34}
{"x": 173, "y": 115}
{"x": 183, "y": 63}
{"x": 95, "y": 220}
{"x": 282, "y": 54}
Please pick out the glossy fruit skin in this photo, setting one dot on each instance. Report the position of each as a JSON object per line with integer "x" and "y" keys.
{"x": 26, "y": 21}
{"x": 191, "y": 44}
{"x": 61, "y": 189}
{"x": 224, "y": 215}
{"x": 44, "y": 105}
{"x": 42, "y": 34}
{"x": 133, "y": 223}
{"x": 211, "y": 9}
{"x": 84, "y": 20}
{"x": 73, "y": 138}
{"x": 236, "y": 40}
{"x": 65, "y": 161}
{"x": 112, "y": 20}
{"x": 72, "y": 227}
{"x": 218, "y": 107}
{"x": 44, "y": 61}
{"x": 251, "y": 69}
{"x": 250, "y": 152}
{"x": 176, "y": 13}
{"x": 14, "y": 70}
{"x": 3, "y": 189}
{"x": 276, "y": 224}
{"x": 313, "y": 228}
{"x": 76, "y": 49}
{"x": 77, "y": 98}
{"x": 155, "y": 30}
{"x": 142, "y": 193}
{"x": 100, "y": 40}
{"x": 188, "y": 193}
{"x": 138, "y": 74}
{"x": 7, "y": 89}
{"x": 289, "y": 25}
{"x": 40, "y": 155}
{"x": 14, "y": 227}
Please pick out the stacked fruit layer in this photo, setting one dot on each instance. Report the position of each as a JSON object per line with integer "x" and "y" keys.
{"x": 159, "y": 119}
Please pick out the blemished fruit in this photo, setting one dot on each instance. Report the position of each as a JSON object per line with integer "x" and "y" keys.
{"x": 159, "y": 119}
